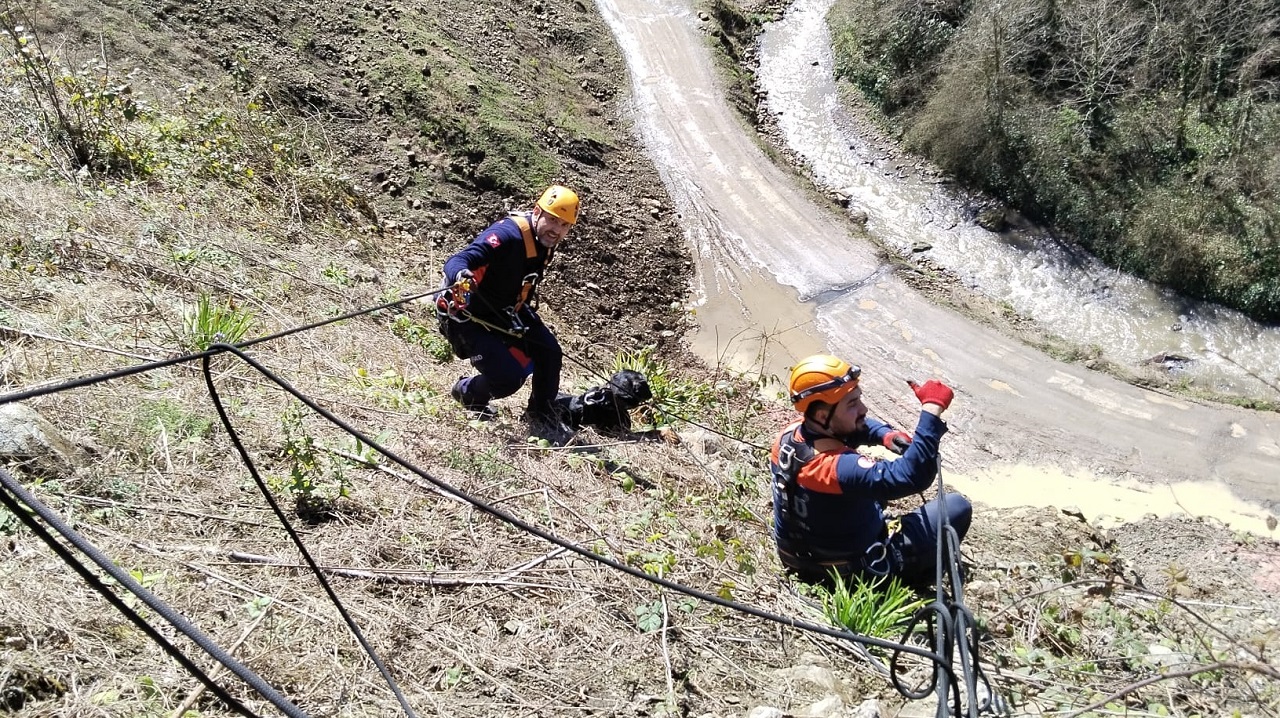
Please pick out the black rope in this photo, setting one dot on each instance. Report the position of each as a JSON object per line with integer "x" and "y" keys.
{"x": 14, "y": 492}
{"x": 947, "y": 618}
{"x": 204, "y": 356}
{"x": 954, "y": 626}
{"x": 293, "y": 535}
{"x": 160, "y": 364}
{"x": 556, "y": 540}
{"x": 942, "y": 666}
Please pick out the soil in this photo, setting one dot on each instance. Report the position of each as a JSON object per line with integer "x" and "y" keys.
{"x": 538, "y": 635}
{"x": 617, "y": 276}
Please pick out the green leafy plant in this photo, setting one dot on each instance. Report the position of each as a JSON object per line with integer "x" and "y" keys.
{"x": 315, "y": 479}
{"x": 258, "y": 605}
{"x": 208, "y": 323}
{"x": 366, "y": 453}
{"x": 486, "y": 464}
{"x": 336, "y": 274}
{"x": 673, "y": 395}
{"x": 146, "y": 580}
{"x": 394, "y": 390}
{"x": 876, "y": 608}
{"x": 453, "y": 676}
{"x": 428, "y": 338}
{"x": 1077, "y": 562}
{"x": 649, "y": 616}
{"x": 9, "y": 524}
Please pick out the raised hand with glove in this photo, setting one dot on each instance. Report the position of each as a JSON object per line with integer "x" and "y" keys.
{"x": 934, "y": 396}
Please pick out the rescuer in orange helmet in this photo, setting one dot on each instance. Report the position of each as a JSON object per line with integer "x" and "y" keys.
{"x": 828, "y": 498}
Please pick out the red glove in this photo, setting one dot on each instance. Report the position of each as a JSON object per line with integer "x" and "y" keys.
{"x": 933, "y": 392}
{"x": 897, "y": 442}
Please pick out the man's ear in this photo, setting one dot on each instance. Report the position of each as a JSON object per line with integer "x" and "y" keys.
{"x": 819, "y": 412}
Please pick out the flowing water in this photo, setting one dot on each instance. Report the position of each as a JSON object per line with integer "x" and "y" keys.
{"x": 1073, "y": 294}
{"x": 1042, "y": 432}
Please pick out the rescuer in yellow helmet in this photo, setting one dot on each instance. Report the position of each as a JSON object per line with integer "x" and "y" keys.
{"x": 490, "y": 316}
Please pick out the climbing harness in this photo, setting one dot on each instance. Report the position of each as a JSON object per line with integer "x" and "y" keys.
{"x": 793, "y": 454}
{"x": 880, "y": 558}
{"x": 455, "y": 306}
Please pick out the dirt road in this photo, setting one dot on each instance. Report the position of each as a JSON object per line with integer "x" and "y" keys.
{"x": 760, "y": 237}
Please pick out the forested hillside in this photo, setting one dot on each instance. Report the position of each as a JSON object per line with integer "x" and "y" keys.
{"x": 1147, "y": 131}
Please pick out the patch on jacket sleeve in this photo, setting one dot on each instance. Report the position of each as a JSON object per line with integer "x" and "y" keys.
{"x": 492, "y": 240}
{"x": 866, "y": 462}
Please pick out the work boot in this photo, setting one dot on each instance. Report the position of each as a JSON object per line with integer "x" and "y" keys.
{"x": 546, "y": 422}
{"x": 483, "y": 412}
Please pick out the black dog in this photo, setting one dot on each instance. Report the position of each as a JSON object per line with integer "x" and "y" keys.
{"x": 607, "y": 407}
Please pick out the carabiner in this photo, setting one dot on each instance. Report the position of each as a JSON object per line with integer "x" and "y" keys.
{"x": 880, "y": 564}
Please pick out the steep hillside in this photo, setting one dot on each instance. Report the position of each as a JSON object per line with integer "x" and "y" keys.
{"x": 177, "y": 173}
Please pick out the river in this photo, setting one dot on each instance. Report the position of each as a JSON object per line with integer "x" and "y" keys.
{"x": 1024, "y": 427}
{"x": 1082, "y": 301}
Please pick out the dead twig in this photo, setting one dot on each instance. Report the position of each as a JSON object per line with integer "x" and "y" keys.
{"x": 82, "y": 345}
{"x": 1259, "y": 668}
{"x": 199, "y": 690}
{"x": 516, "y": 570}
{"x": 385, "y": 576}
{"x": 98, "y": 501}
{"x": 159, "y": 553}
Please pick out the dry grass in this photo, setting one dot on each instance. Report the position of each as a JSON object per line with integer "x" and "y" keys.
{"x": 472, "y": 616}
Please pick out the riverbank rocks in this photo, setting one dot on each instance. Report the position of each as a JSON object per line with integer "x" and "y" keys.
{"x": 1169, "y": 361}
{"x": 992, "y": 219}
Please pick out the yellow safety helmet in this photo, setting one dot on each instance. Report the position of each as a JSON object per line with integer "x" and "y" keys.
{"x": 821, "y": 377}
{"x": 560, "y": 202}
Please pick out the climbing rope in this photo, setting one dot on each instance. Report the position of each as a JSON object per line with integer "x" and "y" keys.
{"x": 947, "y": 615}
{"x": 952, "y": 628}
{"x": 14, "y": 493}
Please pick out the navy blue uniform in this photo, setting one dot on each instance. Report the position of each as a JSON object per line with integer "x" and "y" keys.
{"x": 507, "y": 271}
{"x": 828, "y": 505}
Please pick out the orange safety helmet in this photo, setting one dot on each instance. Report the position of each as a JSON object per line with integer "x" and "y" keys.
{"x": 561, "y": 202}
{"x": 821, "y": 377}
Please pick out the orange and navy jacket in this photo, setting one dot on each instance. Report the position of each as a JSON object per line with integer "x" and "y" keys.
{"x": 828, "y": 505}
{"x": 502, "y": 262}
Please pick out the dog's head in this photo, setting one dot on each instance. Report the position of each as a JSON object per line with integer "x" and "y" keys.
{"x": 630, "y": 388}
